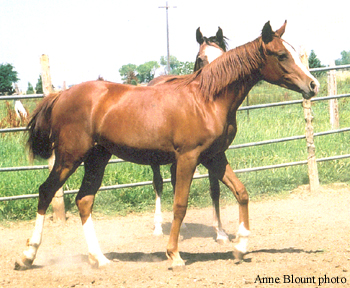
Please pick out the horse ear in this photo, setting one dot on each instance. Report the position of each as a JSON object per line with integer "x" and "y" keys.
{"x": 267, "y": 33}
{"x": 280, "y": 31}
{"x": 199, "y": 36}
{"x": 220, "y": 35}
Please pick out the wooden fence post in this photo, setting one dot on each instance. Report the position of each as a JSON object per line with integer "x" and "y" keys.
{"x": 333, "y": 103}
{"x": 58, "y": 207}
{"x": 309, "y": 133}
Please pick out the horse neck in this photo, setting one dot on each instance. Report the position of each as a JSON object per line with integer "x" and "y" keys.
{"x": 233, "y": 75}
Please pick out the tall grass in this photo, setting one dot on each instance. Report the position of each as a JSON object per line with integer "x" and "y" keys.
{"x": 262, "y": 124}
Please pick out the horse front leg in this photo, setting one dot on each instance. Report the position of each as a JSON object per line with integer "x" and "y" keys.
{"x": 221, "y": 236}
{"x": 223, "y": 171}
{"x": 185, "y": 168}
{"x": 94, "y": 169}
{"x": 158, "y": 188}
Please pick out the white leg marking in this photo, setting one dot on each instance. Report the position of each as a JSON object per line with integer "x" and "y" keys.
{"x": 221, "y": 236}
{"x": 95, "y": 255}
{"x": 35, "y": 240}
{"x": 242, "y": 236}
{"x": 158, "y": 220}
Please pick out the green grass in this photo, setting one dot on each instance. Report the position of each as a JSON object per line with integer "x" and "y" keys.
{"x": 262, "y": 124}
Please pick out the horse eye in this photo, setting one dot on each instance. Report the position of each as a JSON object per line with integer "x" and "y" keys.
{"x": 282, "y": 57}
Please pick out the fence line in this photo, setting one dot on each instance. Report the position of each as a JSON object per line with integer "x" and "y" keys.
{"x": 146, "y": 183}
{"x": 237, "y": 146}
{"x": 245, "y": 170}
{"x": 258, "y": 106}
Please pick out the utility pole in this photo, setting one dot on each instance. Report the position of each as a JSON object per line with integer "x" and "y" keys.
{"x": 167, "y": 33}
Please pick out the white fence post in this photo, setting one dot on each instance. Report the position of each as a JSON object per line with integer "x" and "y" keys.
{"x": 59, "y": 211}
{"x": 309, "y": 133}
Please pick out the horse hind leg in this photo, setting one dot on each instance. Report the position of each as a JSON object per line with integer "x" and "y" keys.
{"x": 94, "y": 164}
{"x": 221, "y": 236}
{"x": 56, "y": 179}
{"x": 158, "y": 188}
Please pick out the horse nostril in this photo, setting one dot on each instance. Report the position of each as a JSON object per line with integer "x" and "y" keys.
{"x": 313, "y": 85}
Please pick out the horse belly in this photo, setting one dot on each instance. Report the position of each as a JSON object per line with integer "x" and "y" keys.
{"x": 145, "y": 156}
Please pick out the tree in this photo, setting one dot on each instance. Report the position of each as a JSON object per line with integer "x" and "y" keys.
{"x": 184, "y": 68}
{"x": 30, "y": 89}
{"x": 146, "y": 71}
{"x": 128, "y": 74}
{"x": 345, "y": 58}
{"x": 39, "y": 86}
{"x": 177, "y": 67}
{"x": 8, "y": 76}
{"x": 174, "y": 63}
{"x": 314, "y": 62}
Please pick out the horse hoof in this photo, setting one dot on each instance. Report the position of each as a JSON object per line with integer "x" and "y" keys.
{"x": 178, "y": 267}
{"x": 238, "y": 254}
{"x": 222, "y": 241}
{"x": 98, "y": 262}
{"x": 23, "y": 264}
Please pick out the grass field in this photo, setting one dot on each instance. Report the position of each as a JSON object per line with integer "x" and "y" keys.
{"x": 262, "y": 124}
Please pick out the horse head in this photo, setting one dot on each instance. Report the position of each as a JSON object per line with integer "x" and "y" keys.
{"x": 282, "y": 65}
{"x": 210, "y": 48}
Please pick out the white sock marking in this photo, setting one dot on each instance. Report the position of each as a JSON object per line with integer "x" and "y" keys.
{"x": 35, "y": 240}
{"x": 92, "y": 242}
{"x": 158, "y": 220}
{"x": 242, "y": 236}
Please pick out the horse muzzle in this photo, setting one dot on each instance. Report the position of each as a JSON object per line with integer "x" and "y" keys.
{"x": 312, "y": 89}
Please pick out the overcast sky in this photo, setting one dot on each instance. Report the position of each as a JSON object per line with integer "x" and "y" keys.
{"x": 85, "y": 39}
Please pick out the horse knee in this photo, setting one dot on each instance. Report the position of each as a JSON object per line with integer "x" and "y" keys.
{"x": 242, "y": 196}
{"x": 179, "y": 211}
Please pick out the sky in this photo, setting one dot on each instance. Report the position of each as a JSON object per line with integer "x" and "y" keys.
{"x": 87, "y": 39}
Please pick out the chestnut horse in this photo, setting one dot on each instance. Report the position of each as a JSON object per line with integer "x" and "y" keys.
{"x": 186, "y": 120}
{"x": 209, "y": 49}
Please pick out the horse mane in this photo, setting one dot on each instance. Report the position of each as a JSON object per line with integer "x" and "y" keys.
{"x": 213, "y": 40}
{"x": 232, "y": 66}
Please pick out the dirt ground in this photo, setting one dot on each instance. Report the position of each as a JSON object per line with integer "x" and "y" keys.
{"x": 298, "y": 241}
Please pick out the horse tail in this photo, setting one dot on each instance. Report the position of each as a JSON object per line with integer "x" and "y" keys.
{"x": 40, "y": 142}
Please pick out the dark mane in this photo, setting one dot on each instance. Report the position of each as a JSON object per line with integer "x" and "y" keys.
{"x": 213, "y": 39}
